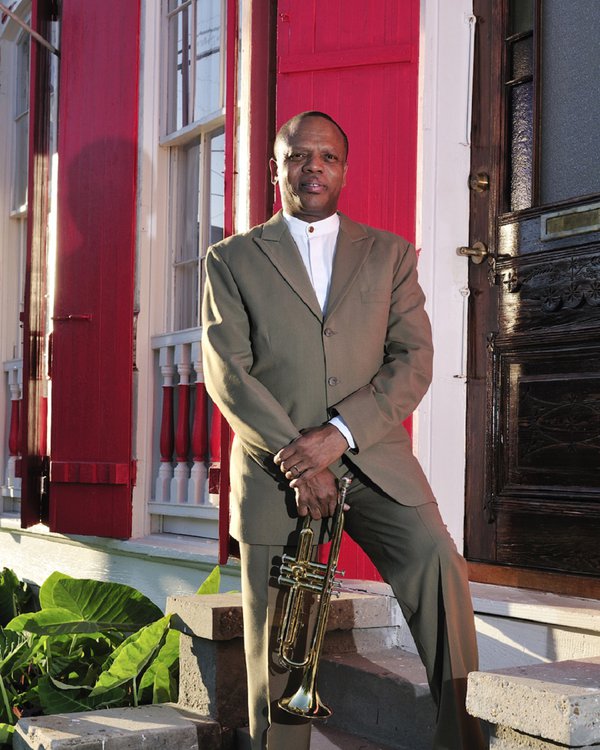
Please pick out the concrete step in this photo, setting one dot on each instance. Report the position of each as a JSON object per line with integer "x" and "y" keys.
{"x": 323, "y": 737}
{"x": 160, "y": 727}
{"x": 218, "y": 617}
{"x": 381, "y": 695}
{"x": 329, "y": 738}
{"x": 540, "y": 706}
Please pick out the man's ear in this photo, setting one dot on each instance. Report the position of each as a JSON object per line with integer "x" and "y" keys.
{"x": 344, "y": 176}
{"x": 273, "y": 170}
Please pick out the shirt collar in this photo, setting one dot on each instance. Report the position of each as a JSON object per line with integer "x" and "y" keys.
{"x": 330, "y": 225}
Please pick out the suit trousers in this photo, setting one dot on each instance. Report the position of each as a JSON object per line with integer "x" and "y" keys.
{"x": 415, "y": 555}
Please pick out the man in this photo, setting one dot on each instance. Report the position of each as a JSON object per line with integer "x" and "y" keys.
{"x": 316, "y": 348}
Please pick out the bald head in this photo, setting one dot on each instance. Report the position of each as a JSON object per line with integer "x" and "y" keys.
{"x": 290, "y": 127}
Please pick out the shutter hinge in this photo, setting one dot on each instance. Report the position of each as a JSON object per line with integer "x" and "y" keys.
{"x": 45, "y": 480}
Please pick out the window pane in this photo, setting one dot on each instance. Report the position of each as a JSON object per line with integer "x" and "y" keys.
{"x": 208, "y": 58}
{"x": 521, "y": 146}
{"x": 521, "y": 16}
{"x": 522, "y": 58}
{"x": 188, "y": 201}
{"x": 21, "y": 118}
{"x": 21, "y": 159}
{"x": 179, "y": 70}
{"x": 186, "y": 225}
{"x": 217, "y": 187}
{"x": 570, "y": 147}
{"x": 22, "y": 98}
{"x": 186, "y": 296}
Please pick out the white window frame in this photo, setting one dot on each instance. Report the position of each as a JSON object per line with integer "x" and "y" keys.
{"x": 169, "y": 83}
{"x": 200, "y": 131}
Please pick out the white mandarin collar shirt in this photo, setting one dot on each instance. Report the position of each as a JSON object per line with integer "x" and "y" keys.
{"x": 316, "y": 242}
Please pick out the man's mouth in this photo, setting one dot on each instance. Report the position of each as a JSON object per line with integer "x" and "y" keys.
{"x": 313, "y": 187}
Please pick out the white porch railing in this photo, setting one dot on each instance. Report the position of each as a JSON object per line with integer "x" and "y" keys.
{"x": 10, "y": 490}
{"x": 186, "y": 439}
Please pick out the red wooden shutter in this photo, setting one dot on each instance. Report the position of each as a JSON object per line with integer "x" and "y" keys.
{"x": 227, "y": 545}
{"x": 33, "y": 416}
{"x": 358, "y": 62}
{"x": 91, "y": 469}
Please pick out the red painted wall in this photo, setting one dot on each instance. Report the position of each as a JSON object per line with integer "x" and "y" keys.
{"x": 92, "y": 364}
{"x": 358, "y": 61}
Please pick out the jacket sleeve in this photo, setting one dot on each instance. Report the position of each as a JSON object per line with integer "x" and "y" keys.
{"x": 255, "y": 416}
{"x": 404, "y": 376}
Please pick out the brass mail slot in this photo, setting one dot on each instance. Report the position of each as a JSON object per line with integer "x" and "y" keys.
{"x": 571, "y": 221}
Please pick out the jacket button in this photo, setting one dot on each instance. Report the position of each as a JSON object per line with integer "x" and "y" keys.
{"x": 332, "y": 381}
{"x": 328, "y": 332}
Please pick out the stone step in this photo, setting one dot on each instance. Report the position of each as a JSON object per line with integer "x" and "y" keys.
{"x": 218, "y": 617}
{"x": 540, "y": 706}
{"x": 160, "y": 727}
{"x": 324, "y": 737}
{"x": 329, "y": 738}
{"x": 382, "y": 696}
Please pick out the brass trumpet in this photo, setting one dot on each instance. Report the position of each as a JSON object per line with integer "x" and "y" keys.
{"x": 303, "y": 575}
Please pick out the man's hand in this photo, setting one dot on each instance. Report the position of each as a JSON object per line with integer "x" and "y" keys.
{"x": 311, "y": 453}
{"x": 317, "y": 497}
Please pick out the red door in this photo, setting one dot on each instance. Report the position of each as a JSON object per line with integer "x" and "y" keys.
{"x": 358, "y": 62}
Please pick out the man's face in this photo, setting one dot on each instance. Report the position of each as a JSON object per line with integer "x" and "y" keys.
{"x": 310, "y": 168}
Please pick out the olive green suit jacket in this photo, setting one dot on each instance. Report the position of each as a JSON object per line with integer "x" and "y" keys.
{"x": 275, "y": 364}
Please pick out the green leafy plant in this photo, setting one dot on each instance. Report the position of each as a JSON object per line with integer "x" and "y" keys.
{"x": 15, "y": 596}
{"x": 90, "y": 645}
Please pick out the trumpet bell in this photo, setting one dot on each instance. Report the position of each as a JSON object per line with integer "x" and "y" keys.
{"x": 305, "y": 703}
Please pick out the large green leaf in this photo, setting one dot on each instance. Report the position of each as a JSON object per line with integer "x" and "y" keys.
{"x": 47, "y": 588}
{"x": 10, "y": 644}
{"x": 105, "y": 601}
{"x": 212, "y": 582}
{"x": 154, "y": 679}
{"x": 164, "y": 688}
{"x": 132, "y": 656}
{"x": 168, "y": 656}
{"x": 78, "y": 605}
{"x": 54, "y": 621}
{"x": 6, "y": 733}
{"x": 56, "y": 701}
{"x": 15, "y": 596}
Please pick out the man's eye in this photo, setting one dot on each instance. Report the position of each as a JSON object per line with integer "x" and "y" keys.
{"x": 296, "y": 156}
{"x": 331, "y": 157}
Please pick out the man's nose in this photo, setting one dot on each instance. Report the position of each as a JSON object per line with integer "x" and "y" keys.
{"x": 314, "y": 163}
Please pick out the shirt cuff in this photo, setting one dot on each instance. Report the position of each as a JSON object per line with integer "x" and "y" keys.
{"x": 338, "y": 422}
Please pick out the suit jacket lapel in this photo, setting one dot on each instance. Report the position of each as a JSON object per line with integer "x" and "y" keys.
{"x": 277, "y": 244}
{"x": 353, "y": 248}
